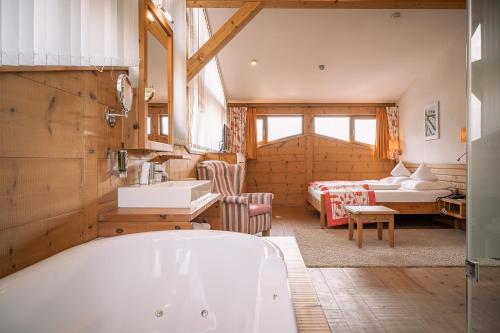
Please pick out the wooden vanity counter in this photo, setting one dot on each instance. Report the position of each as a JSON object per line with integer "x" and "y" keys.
{"x": 121, "y": 221}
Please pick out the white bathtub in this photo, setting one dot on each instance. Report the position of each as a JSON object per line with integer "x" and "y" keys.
{"x": 168, "y": 281}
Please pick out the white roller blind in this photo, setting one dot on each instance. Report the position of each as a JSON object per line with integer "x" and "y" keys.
{"x": 207, "y": 101}
{"x": 69, "y": 32}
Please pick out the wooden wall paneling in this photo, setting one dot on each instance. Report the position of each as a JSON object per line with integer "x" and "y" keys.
{"x": 230, "y": 158}
{"x": 414, "y": 207}
{"x": 107, "y": 184}
{"x": 109, "y": 229}
{"x": 98, "y": 136}
{"x": 24, "y": 245}
{"x": 131, "y": 126}
{"x": 350, "y": 109}
{"x": 90, "y": 196}
{"x": 454, "y": 173}
{"x": 40, "y": 120}
{"x": 183, "y": 169}
{"x": 55, "y": 176}
{"x": 309, "y": 152}
{"x": 280, "y": 168}
{"x": 48, "y": 192}
{"x": 34, "y": 189}
{"x": 71, "y": 82}
{"x": 287, "y": 166}
{"x": 106, "y": 88}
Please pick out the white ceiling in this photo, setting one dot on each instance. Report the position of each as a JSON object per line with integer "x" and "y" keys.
{"x": 369, "y": 57}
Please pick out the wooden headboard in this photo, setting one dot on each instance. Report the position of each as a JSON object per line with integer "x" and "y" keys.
{"x": 455, "y": 174}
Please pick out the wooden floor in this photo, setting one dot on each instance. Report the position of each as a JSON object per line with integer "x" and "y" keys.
{"x": 286, "y": 218}
{"x": 383, "y": 299}
{"x": 309, "y": 314}
{"x": 392, "y": 299}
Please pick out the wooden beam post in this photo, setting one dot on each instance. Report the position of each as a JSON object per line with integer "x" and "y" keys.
{"x": 210, "y": 49}
{"x": 353, "y": 4}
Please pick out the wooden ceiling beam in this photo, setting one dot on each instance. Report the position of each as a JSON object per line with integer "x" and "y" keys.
{"x": 342, "y": 4}
{"x": 207, "y": 51}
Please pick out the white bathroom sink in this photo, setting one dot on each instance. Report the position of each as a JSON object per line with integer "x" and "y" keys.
{"x": 172, "y": 194}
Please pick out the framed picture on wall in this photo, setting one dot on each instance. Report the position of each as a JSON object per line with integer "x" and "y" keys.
{"x": 431, "y": 113}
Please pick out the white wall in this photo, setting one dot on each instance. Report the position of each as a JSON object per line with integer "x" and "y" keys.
{"x": 443, "y": 80}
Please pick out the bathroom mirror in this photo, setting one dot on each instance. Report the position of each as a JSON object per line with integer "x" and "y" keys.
{"x": 155, "y": 79}
{"x": 125, "y": 92}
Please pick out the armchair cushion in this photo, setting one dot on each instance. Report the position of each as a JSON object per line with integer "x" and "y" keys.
{"x": 235, "y": 199}
{"x": 258, "y": 209}
{"x": 259, "y": 198}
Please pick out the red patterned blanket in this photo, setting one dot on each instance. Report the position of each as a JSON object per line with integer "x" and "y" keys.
{"x": 342, "y": 194}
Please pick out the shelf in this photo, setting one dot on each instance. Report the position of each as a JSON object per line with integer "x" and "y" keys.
{"x": 453, "y": 207}
{"x": 164, "y": 158}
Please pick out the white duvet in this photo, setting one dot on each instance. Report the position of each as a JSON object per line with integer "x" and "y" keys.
{"x": 372, "y": 184}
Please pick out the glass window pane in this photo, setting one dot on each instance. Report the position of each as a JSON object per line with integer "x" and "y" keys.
{"x": 163, "y": 125}
{"x": 364, "y": 130}
{"x": 334, "y": 127}
{"x": 148, "y": 125}
{"x": 260, "y": 129}
{"x": 281, "y": 127}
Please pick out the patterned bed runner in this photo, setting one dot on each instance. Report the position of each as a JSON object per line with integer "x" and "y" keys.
{"x": 337, "y": 196}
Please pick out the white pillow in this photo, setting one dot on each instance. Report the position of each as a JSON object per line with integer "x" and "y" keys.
{"x": 424, "y": 185}
{"x": 423, "y": 173}
{"x": 400, "y": 170}
{"x": 394, "y": 180}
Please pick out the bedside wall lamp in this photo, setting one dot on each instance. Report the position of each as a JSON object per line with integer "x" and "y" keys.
{"x": 463, "y": 139}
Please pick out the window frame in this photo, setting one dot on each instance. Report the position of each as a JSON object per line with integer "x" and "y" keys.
{"x": 265, "y": 117}
{"x": 352, "y": 133}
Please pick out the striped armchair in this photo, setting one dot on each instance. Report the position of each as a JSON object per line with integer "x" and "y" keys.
{"x": 241, "y": 212}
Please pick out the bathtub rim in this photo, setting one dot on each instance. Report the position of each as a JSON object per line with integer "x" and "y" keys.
{"x": 120, "y": 238}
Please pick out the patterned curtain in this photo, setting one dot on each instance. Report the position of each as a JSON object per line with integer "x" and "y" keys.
{"x": 251, "y": 134}
{"x": 393, "y": 119}
{"x": 237, "y": 119}
{"x": 393, "y": 122}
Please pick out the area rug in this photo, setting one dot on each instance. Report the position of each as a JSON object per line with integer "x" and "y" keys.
{"x": 413, "y": 248}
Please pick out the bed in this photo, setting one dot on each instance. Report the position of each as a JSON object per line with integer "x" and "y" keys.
{"x": 403, "y": 200}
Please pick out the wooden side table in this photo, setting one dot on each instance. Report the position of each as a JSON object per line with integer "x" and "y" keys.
{"x": 371, "y": 214}
{"x": 455, "y": 208}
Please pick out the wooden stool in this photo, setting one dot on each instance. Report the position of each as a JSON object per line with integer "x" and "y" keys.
{"x": 371, "y": 214}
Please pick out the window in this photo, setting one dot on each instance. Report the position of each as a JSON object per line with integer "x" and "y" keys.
{"x": 364, "y": 130}
{"x": 148, "y": 125}
{"x": 271, "y": 128}
{"x": 260, "y": 130}
{"x": 207, "y": 101}
{"x": 335, "y": 127}
{"x": 361, "y": 129}
{"x": 163, "y": 124}
{"x": 281, "y": 127}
